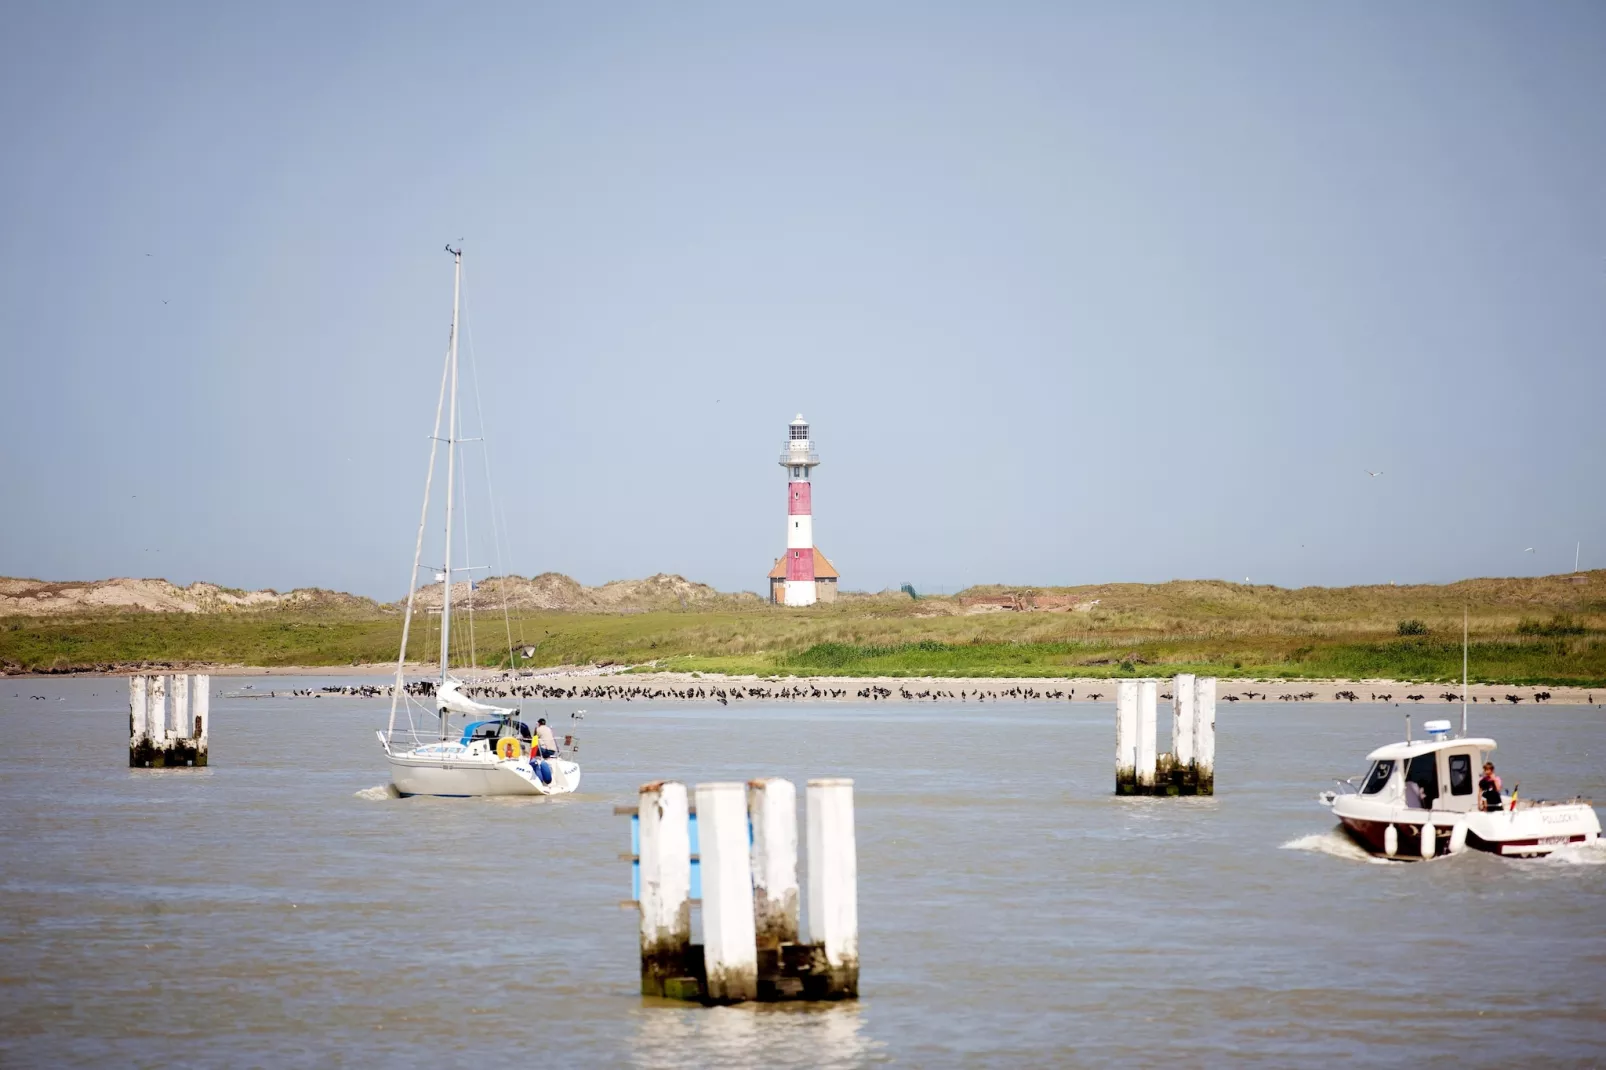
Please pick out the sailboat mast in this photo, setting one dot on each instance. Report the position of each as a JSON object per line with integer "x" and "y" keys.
{"x": 451, "y": 455}
{"x": 418, "y": 546}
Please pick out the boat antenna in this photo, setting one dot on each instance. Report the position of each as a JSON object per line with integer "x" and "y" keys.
{"x": 1407, "y": 728}
{"x": 1464, "y": 615}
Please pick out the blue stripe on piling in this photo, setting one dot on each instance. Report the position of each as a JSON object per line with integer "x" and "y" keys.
{"x": 696, "y": 863}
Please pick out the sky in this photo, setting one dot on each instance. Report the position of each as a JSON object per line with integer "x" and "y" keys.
{"x": 1070, "y": 293}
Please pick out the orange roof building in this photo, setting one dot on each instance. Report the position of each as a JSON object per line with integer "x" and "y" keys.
{"x": 825, "y": 577}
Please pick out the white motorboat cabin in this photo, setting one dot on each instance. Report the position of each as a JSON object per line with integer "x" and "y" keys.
{"x": 1443, "y": 773}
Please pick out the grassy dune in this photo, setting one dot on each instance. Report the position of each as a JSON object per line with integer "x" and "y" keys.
{"x": 1540, "y": 631}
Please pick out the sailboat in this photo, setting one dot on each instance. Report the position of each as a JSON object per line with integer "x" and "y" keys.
{"x": 468, "y": 748}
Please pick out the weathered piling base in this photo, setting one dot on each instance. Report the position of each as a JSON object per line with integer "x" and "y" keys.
{"x": 174, "y": 754}
{"x": 1170, "y": 778}
{"x": 788, "y": 973}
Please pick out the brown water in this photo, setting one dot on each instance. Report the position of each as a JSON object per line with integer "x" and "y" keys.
{"x": 271, "y": 911}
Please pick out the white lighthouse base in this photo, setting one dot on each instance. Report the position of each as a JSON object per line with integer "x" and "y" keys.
{"x": 800, "y": 592}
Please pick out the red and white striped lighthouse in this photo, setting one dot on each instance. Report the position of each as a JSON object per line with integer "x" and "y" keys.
{"x": 798, "y": 458}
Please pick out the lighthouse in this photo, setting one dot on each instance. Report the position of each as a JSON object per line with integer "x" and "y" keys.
{"x": 803, "y": 576}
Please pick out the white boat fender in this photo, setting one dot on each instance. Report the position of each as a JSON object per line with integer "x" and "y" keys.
{"x": 1430, "y": 840}
{"x": 1391, "y": 841}
{"x": 1458, "y": 837}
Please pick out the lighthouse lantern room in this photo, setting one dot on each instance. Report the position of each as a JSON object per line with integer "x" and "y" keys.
{"x": 803, "y": 576}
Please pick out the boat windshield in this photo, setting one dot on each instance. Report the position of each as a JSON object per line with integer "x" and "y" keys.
{"x": 1378, "y": 776}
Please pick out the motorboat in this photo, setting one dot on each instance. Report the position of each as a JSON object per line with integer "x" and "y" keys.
{"x": 1421, "y": 799}
{"x": 488, "y": 750}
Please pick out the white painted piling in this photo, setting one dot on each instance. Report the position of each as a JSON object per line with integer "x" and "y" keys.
{"x": 1182, "y": 718}
{"x": 156, "y": 710}
{"x": 772, "y": 809}
{"x": 834, "y": 880}
{"x": 138, "y": 728}
{"x": 1148, "y": 711}
{"x": 201, "y": 712}
{"x": 664, "y": 852}
{"x": 168, "y": 721}
{"x": 730, "y": 950}
{"x": 1204, "y": 734}
{"x": 178, "y": 708}
{"x": 1126, "y": 733}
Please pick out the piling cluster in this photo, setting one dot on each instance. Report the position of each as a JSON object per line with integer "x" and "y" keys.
{"x": 168, "y": 719}
{"x": 739, "y": 843}
{"x": 1190, "y": 767}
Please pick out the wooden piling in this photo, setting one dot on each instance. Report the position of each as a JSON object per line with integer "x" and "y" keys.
{"x": 201, "y": 709}
{"x": 1183, "y": 715}
{"x": 1204, "y": 735}
{"x": 1148, "y": 710}
{"x": 834, "y": 883}
{"x": 665, "y": 898}
{"x": 156, "y": 711}
{"x": 772, "y": 809}
{"x": 178, "y": 708}
{"x": 730, "y": 953}
{"x": 1126, "y": 736}
{"x": 139, "y": 733}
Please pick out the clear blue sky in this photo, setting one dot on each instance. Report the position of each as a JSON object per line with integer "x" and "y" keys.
{"x": 1071, "y": 293}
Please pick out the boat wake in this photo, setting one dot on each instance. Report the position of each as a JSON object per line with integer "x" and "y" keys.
{"x": 1336, "y": 844}
{"x": 378, "y": 793}
{"x": 1579, "y": 854}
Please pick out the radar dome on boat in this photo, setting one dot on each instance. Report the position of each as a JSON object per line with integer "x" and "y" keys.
{"x": 1437, "y": 730}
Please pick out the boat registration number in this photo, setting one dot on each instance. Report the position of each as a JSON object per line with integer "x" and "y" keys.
{"x": 1555, "y": 839}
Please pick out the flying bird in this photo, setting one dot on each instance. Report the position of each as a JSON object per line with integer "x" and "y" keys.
{"x": 1529, "y": 550}
{"x": 1373, "y": 474}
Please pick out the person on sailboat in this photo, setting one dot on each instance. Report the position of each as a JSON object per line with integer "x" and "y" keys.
{"x": 546, "y": 743}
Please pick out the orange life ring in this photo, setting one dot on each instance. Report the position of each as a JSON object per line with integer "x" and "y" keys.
{"x": 508, "y": 747}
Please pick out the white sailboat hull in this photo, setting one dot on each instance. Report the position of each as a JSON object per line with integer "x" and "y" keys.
{"x": 472, "y": 776}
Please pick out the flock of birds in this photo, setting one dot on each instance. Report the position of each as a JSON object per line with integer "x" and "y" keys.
{"x": 792, "y": 692}
{"x": 1449, "y": 696}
